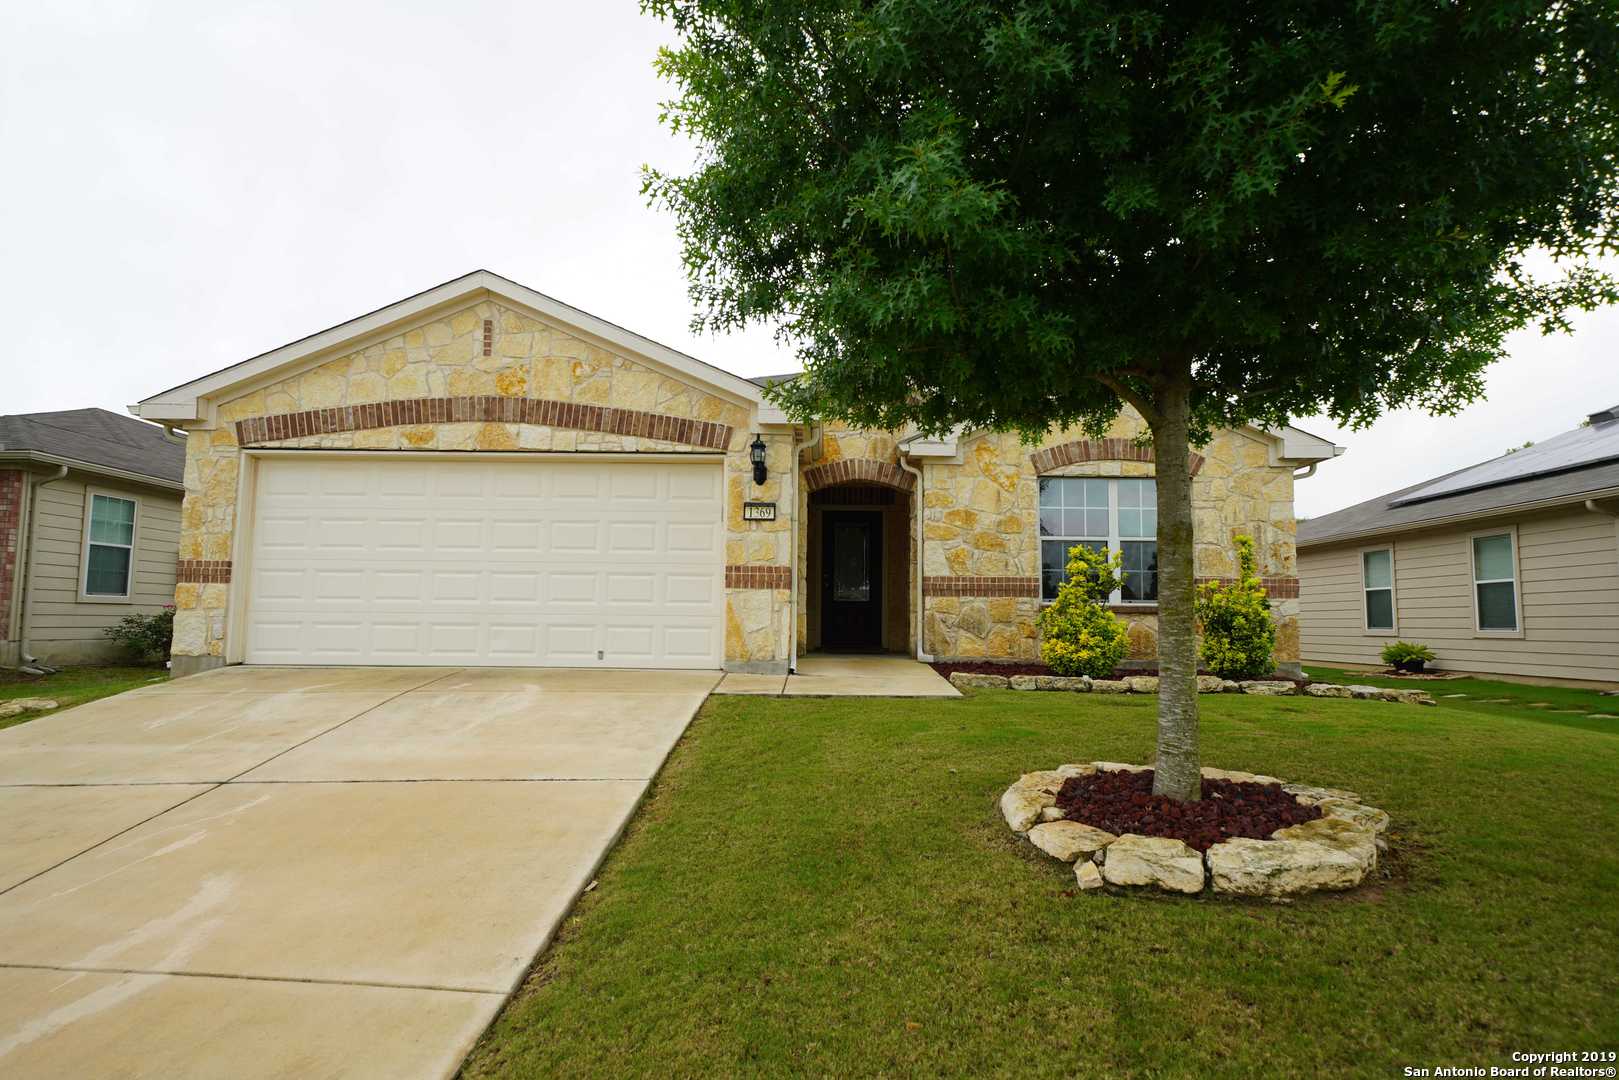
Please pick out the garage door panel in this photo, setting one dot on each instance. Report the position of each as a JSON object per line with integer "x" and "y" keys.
{"x": 500, "y": 561}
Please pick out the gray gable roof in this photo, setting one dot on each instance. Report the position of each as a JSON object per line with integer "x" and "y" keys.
{"x": 1534, "y": 480}
{"x": 97, "y": 437}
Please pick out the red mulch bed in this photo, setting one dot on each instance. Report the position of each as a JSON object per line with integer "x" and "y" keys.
{"x": 1123, "y": 802}
{"x": 991, "y": 667}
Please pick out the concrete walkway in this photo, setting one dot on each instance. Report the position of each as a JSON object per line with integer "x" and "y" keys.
{"x": 836, "y": 675}
{"x": 306, "y": 872}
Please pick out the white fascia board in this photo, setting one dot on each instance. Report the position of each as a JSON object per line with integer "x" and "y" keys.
{"x": 1300, "y": 446}
{"x": 182, "y": 402}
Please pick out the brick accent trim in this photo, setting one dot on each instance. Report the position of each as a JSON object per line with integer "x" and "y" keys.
{"x": 858, "y": 471}
{"x": 1277, "y": 588}
{"x": 487, "y": 408}
{"x": 1112, "y": 449}
{"x": 981, "y": 586}
{"x": 738, "y": 576}
{"x": 202, "y": 571}
{"x": 12, "y": 487}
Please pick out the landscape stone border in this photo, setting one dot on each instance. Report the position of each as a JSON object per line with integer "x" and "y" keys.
{"x": 1206, "y": 684}
{"x": 1334, "y": 852}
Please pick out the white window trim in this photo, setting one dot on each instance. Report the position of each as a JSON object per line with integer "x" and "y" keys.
{"x": 1510, "y": 531}
{"x": 1394, "y": 594}
{"x": 127, "y": 596}
{"x": 1114, "y": 540}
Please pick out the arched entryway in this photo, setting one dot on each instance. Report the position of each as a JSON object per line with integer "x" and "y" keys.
{"x": 858, "y": 556}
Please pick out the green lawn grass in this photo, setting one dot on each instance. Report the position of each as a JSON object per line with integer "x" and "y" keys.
{"x": 1481, "y": 693}
{"x": 72, "y": 686}
{"x": 825, "y": 887}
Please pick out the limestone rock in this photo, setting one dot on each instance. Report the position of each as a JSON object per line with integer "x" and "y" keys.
{"x": 1368, "y": 817}
{"x": 1268, "y": 688}
{"x": 1118, "y": 766}
{"x": 1077, "y": 770}
{"x": 18, "y": 706}
{"x": 1052, "y": 813}
{"x": 1365, "y": 693}
{"x": 966, "y": 680}
{"x": 1230, "y": 686}
{"x": 1162, "y": 861}
{"x": 1327, "y": 690}
{"x": 1355, "y": 840}
{"x": 1088, "y": 876}
{"x": 1069, "y": 840}
{"x": 1079, "y": 684}
{"x": 1310, "y": 795}
{"x": 1237, "y": 776}
{"x": 1247, "y": 867}
{"x": 1033, "y": 792}
{"x": 1210, "y": 684}
{"x": 1109, "y": 686}
{"x": 1142, "y": 684}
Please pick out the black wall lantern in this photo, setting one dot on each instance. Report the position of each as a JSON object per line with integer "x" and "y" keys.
{"x": 756, "y": 453}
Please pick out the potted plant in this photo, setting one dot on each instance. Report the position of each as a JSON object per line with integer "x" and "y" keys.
{"x": 1407, "y": 656}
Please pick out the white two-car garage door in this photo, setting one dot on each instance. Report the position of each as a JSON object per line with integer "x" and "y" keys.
{"x": 400, "y": 559}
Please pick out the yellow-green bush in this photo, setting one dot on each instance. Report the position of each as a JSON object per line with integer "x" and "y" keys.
{"x": 1239, "y": 635}
{"x": 1078, "y": 634}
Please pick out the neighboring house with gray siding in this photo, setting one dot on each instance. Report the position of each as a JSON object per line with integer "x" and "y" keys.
{"x": 89, "y": 530}
{"x": 1507, "y": 567}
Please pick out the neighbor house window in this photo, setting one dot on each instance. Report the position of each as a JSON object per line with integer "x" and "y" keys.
{"x": 1495, "y": 582}
{"x": 1377, "y": 580}
{"x": 1106, "y": 515}
{"x": 109, "y": 550}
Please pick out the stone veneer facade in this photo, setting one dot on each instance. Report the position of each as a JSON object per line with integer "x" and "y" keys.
{"x": 487, "y": 377}
{"x": 981, "y": 573}
{"x": 490, "y": 377}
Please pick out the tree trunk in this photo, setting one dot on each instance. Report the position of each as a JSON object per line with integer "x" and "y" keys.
{"x": 1177, "y": 770}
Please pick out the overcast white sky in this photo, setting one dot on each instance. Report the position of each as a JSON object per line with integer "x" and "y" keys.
{"x": 188, "y": 184}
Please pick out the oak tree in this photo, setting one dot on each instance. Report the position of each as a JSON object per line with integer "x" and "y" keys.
{"x": 1014, "y": 215}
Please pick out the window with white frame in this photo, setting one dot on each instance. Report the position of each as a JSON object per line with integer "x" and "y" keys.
{"x": 109, "y": 549}
{"x": 1377, "y": 581}
{"x": 1495, "y": 583}
{"x": 1105, "y": 515}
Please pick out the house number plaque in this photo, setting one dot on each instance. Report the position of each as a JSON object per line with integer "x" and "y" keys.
{"x": 758, "y": 511}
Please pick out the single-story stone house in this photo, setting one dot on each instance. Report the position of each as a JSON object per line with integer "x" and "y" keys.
{"x": 480, "y": 474}
{"x": 89, "y": 529}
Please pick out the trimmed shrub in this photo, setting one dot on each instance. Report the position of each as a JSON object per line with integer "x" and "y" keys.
{"x": 145, "y": 637}
{"x": 1239, "y": 636}
{"x": 1078, "y": 634}
{"x": 1407, "y": 656}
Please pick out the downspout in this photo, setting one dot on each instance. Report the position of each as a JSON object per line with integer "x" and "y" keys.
{"x": 917, "y": 500}
{"x": 811, "y": 436}
{"x": 24, "y": 658}
{"x": 1307, "y": 472}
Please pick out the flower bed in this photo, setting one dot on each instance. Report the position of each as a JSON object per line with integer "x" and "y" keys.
{"x": 1250, "y": 835}
{"x": 1122, "y": 802}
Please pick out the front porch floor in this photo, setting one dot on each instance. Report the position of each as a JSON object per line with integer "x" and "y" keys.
{"x": 828, "y": 675}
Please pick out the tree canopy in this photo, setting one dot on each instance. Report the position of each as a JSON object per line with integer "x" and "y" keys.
{"x": 970, "y": 212}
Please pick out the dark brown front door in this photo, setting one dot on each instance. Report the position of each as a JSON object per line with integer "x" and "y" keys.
{"x": 851, "y": 580}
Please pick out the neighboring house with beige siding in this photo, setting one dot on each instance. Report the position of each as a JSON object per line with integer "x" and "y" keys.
{"x": 1508, "y": 567}
{"x": 89, "y": 531}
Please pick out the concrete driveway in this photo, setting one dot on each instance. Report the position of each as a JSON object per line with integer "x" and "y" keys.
{"x": 306, "y": 872}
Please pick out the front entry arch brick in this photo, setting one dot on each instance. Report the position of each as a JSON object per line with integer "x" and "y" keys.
{"x": 858, "y": 471}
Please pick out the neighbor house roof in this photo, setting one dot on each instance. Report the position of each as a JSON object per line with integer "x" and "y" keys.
{"x": 1574, "y": 466}
{"x": 97, "y": 440}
